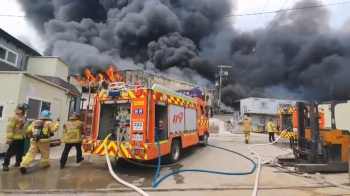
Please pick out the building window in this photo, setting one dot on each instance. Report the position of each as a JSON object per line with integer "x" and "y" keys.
{"x": 2, "y": 53}
{"x": 8, "y": 56}
{"x": 11, "y": 57}
{"x": 2, "y": 111}
{"x": 263, "y": 104}
{"x": 35, "y": 107}
{"x": 262, "y": 119}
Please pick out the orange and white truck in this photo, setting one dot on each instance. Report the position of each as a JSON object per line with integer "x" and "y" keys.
{"x": 288, "y": 117}
{"x": 135, "y": 114}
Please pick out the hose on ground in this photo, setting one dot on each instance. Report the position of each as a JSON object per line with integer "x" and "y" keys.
{"x": 256, "y": 183}
{"x": 140, "y": 191}
{"x": 156, "y": 183}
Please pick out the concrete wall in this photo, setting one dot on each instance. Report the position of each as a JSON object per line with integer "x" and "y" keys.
{"x": 20, "y": 53}
{"x": 48, "y": 66}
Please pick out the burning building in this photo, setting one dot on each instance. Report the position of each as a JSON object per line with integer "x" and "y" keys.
{"x": 133, "y": 76}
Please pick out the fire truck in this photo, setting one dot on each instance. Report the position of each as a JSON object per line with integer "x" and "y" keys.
{"x": 288, "y": 119}
{"x": 138, "y": 115}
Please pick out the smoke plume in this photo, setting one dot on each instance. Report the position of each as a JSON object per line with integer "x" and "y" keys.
{"x": 300, "y": 58}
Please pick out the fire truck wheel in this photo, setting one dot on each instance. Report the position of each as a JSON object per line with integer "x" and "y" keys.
{"x": 175, "y": 152}
{"x": 204, "y": 138}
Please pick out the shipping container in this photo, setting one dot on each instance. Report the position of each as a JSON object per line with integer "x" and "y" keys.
{"x": 265, "y": 106}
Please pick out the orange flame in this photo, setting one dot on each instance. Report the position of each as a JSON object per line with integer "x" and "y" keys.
{"x": 101, "y": 77}
{"x": 79, "y": 80}
{"x": 118, "y": 77}
{"x": 111, "y": 76}
{"x": 109, "y": 73}
{"x": 89, "y": 77}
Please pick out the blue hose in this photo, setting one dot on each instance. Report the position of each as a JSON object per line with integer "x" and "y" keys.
{"x": 156, "y": 183}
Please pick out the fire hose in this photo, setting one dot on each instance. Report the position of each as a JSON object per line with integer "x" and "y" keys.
{"x": 155, "y": 182}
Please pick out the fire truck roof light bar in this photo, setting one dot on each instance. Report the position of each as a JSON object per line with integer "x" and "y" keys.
{"x": 116, "y": 102}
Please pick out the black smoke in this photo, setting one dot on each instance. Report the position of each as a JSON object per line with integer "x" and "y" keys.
{"x": 300, "y": 58}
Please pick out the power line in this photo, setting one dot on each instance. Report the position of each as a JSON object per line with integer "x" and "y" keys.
{"x": 272, "y": 19}
{"x": 184, "y": 19}
{"x": 280, "y": 18}
{"x": 259, "y": 17}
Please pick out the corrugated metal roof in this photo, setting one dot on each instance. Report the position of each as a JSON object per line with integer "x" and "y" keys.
{"x": 56, "y": 80}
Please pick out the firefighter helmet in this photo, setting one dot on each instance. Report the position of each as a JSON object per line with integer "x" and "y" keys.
{"x": 22, "y": 106}
{"x": 75, "y": 114}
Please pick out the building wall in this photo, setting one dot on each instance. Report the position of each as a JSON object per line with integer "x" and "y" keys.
{"x": 263, "y": 106}
{"x": 48, "y": 66}
{"x": 9, "y": 98}
{"x": 34, "y": 89}
{"x": 20, "y": 53}
{"x": 42, "y": 66}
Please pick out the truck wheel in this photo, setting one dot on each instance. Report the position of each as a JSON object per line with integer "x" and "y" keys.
{"x": 175, "y": 152}
{"x": 205, "y": 139}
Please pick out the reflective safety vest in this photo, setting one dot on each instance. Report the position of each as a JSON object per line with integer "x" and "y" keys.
{"x": 15, "y": 128}
{"x": 73, "y": 131}
{"x": 270, "y": 127}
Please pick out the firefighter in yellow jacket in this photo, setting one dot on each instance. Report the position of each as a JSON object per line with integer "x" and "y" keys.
{"x": 271, "y": 130}
{"x": 15, "y": 136}
{"x": 40, "y": 130}
{"x": 73, "y": 131}
{"x": 247, "y": 126}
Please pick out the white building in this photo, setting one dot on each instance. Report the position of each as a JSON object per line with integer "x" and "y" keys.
{"x": 262, "y": 109}
{"x": 43, "y": 86}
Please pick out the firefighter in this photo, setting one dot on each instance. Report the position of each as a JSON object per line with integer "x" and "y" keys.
{"x": 247, "y": 126}
{"x": 15, "y": 136}
{"x": 73, "y": 131}
{"x": 271, "y": 130}
{"x": 40, "y": 130}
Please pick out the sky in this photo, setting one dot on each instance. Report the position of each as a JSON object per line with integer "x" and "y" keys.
{"x": 19, "y": 28}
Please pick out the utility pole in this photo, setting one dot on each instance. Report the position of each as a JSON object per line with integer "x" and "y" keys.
{"x": 219, "y": 84}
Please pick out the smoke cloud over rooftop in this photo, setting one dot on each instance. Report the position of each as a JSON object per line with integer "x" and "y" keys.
{"x": 300, "y": 58}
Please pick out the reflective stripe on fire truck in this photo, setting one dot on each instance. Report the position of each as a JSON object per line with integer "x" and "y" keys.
{"x": 290, "y": 110}
{"x": 287, "y": 134}
{"x": 113, "y": 147}
{"x": 172, "y": 99}
{"x": 203, "y": 122}
{"x": 89, "y": 142}
{"x": 125, "y": 94}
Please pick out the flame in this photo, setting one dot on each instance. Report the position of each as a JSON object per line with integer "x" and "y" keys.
{"x": 89, "y": 77}
{"x": 79, "y": 79}
{"x": 112, "y": 76}
{"x": 101, "y": 77}
{"x": 118, "y": 77}
{"x": 109, "y": 73}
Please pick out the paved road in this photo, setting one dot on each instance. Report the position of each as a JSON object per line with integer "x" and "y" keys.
{"x": 93, "y": 174}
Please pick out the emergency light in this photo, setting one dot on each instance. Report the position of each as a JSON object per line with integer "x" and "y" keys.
{"x": 114, "y": 93}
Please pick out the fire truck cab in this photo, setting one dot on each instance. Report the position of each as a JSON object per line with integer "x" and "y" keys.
{"x": 288, "y": 118}
{"x": 138, "y": 116}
